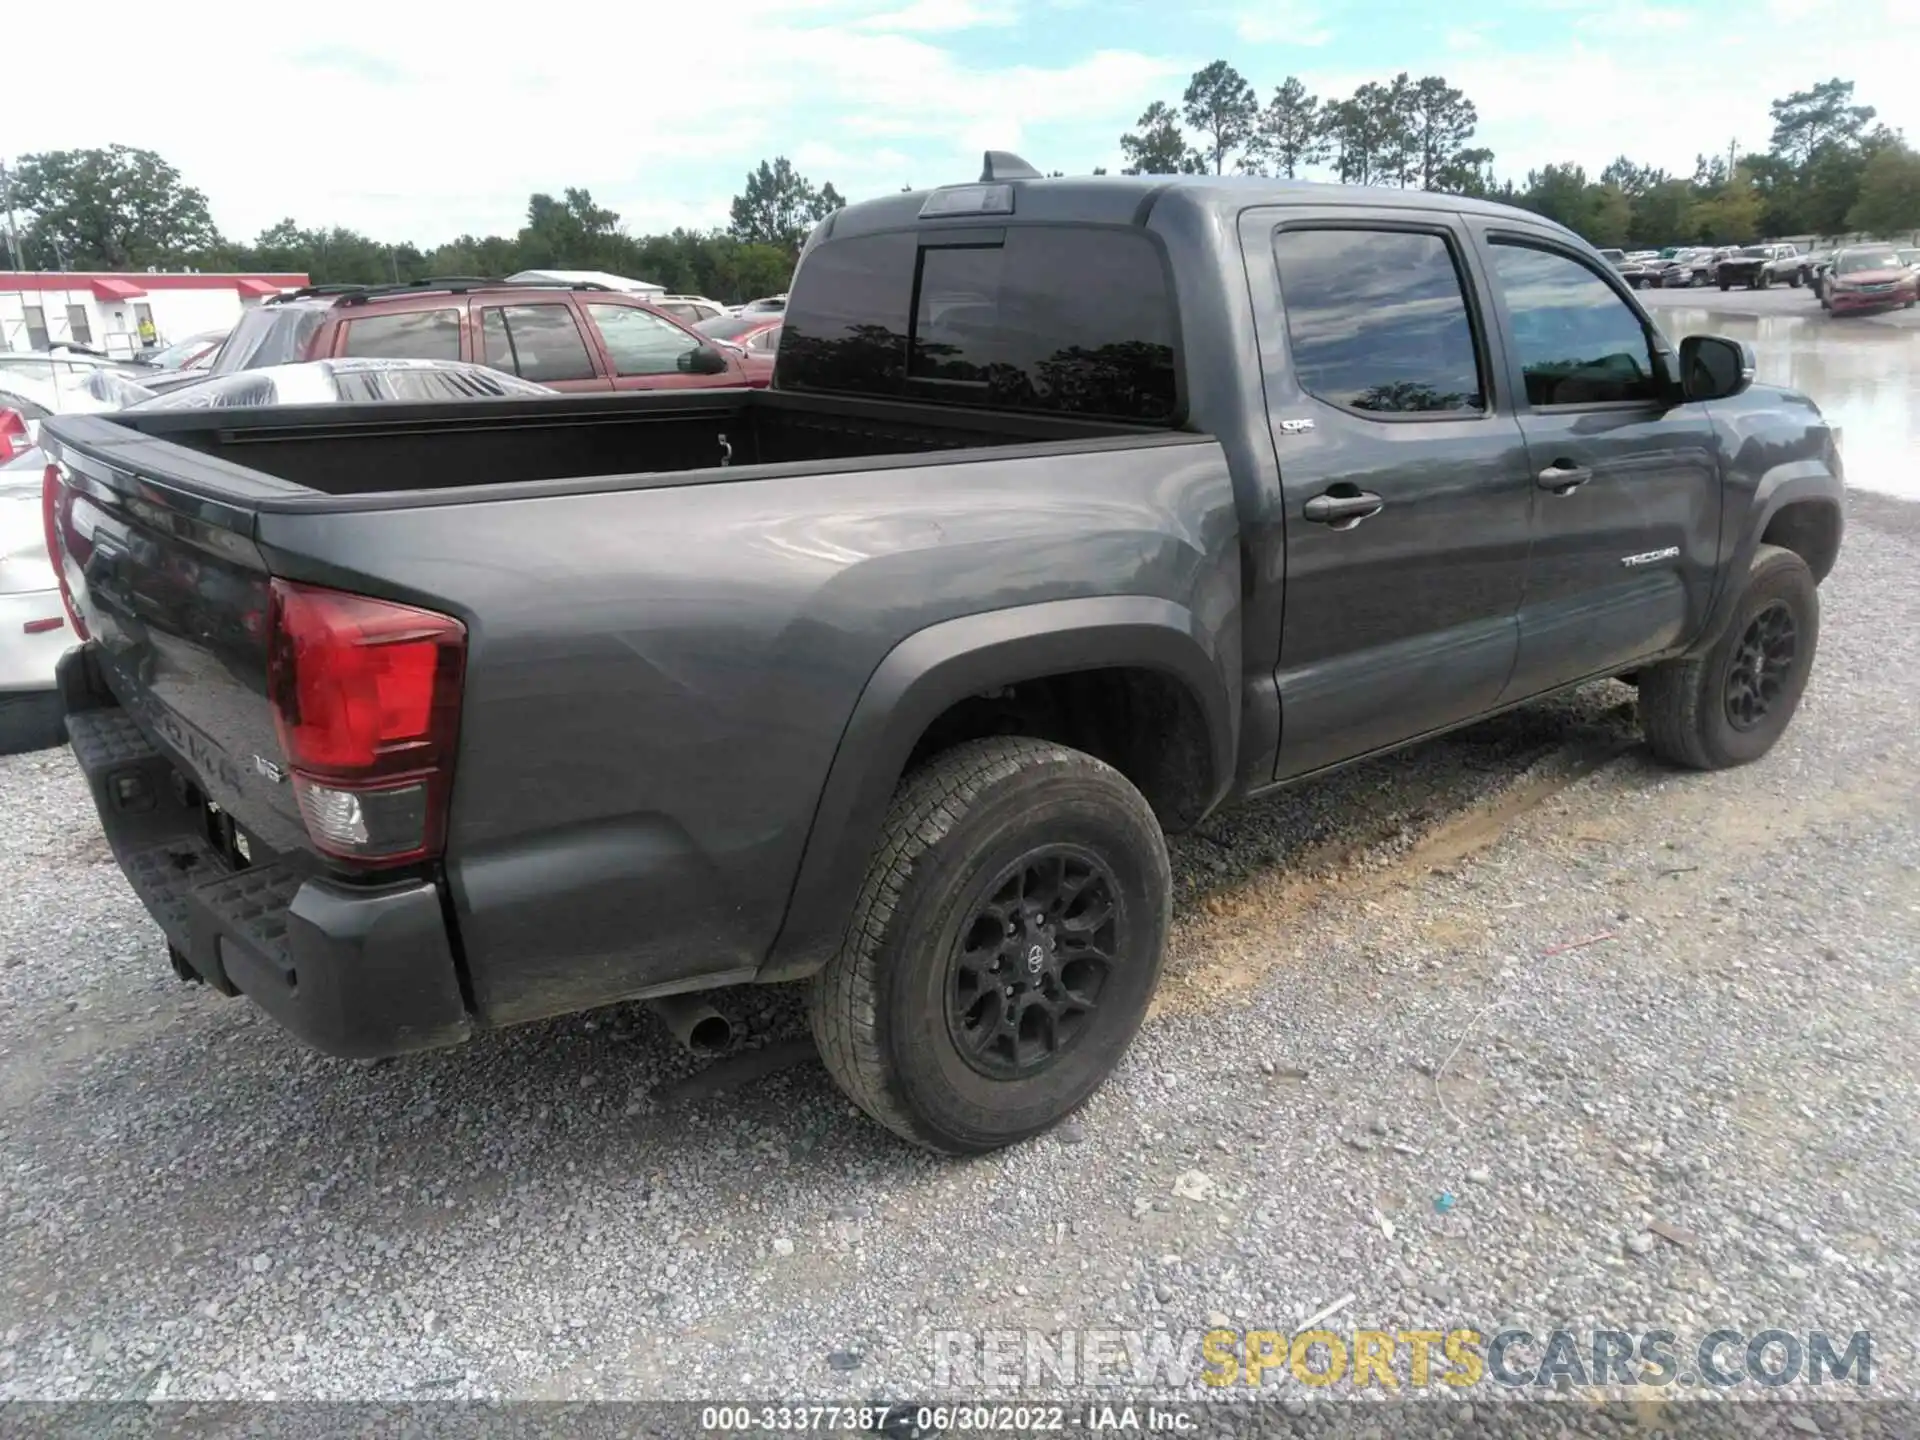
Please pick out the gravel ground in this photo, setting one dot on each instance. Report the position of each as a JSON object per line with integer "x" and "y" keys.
{"x": 1378, "y": 997}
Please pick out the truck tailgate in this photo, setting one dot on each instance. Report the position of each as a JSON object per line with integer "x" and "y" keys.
{"x": 170, "y": 715}
{"x": 175, "y": 594}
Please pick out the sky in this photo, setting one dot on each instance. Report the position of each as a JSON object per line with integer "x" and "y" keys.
{"x": 418, "y": 120}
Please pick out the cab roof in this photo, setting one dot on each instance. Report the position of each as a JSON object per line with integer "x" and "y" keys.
{"x": 1129, "y": 199}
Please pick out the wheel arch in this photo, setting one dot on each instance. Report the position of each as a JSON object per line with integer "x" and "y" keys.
{"x": 935, "y": 671}
{"x": 1799, "y": 507}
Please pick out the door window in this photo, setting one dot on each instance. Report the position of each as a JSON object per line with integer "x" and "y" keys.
{"x": 1378, "y": 321}
{"x": 1579, "y": 343}
{"x": 536, "y": 342}
{"x": 408, "y": 335}
{"x": 640, "y": 343}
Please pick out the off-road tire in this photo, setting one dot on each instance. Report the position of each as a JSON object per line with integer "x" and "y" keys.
{"x": 1726, "y": 284}
{"x": 879, "y": 1009}
{"x": 1796, "y": 279}
{"x": 1683, "y": 706}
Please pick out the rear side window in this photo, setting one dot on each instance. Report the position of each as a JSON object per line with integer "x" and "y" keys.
{"x": 1056, "y": 319}
{"x": 407, "y": 335}
{"x": 1377, "y": 320}
{"x": 535, "y": 342}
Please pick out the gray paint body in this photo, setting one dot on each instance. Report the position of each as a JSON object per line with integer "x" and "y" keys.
{"x": 688, "y": 698}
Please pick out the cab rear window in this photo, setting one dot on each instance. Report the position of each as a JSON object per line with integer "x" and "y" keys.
{"x": 1058, "y": 319}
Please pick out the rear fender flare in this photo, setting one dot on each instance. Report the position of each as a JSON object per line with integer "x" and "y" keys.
{"x": 933, "y": 669}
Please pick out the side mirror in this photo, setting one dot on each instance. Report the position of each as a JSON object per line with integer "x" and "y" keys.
{"x": 703, "y": 360}
{"x": 1712, "y": 367}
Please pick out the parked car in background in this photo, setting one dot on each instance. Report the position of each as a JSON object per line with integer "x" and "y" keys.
{"x": 347, "y": 380}
{"x": 765, "y": 305}
{"x": 1744, "y": 266}
{"x": 756, "y": 336}
{"x": 59, "y": 367}
{"x": 579, "y": 337}
{"x": 25, "y": 402}
{"x": 1633, "y": 271}
{"x": 1869, "y": 277}
{"x": 1909, "y": 256}
{"x": 1787, "y": 267}
{"x": 196, "y": 352}
{"x": 34, "y": 632}
{"x": 1684, "y": 268}
{"x": 688, "y": 309}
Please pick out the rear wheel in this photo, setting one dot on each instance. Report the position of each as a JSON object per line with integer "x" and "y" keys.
{"x": 1729, "y": 706}
{"x": 1007, "y": 939}
{"x": 1726, "y": 284}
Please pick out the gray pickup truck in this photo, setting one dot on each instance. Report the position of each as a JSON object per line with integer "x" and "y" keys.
{"x": 1077, "y": 509}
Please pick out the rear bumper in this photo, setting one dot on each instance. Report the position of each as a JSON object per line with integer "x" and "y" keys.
{"x": 353, "y": 971}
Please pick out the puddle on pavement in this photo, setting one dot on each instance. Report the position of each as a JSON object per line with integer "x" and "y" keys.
{"x": 1864, "y": 376}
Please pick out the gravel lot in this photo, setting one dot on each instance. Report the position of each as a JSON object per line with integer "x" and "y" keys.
{"x": 1378, "y": 997}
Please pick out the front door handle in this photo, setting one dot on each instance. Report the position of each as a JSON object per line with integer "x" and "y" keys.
{"x": 1562, "y": 477}
{"x": 1343, "y": 510}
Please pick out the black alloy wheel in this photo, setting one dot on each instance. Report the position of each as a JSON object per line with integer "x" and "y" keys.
{"x": 1762, "y": 665}
{"x": 1027, "y": 976}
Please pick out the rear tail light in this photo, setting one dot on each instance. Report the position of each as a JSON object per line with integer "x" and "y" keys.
{"x": 366, "y": 699}
{"x": 56, "y": 513}
{"x": 14, "y": 435}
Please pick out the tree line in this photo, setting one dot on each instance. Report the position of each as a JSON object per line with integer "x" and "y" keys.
{"x": 122, "y": 208}
{"x": 1403, "y": 132}
{"x": 1831, "y": 168}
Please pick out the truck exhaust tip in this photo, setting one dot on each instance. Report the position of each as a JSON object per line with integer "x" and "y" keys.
{"x": 694, "y": 1023}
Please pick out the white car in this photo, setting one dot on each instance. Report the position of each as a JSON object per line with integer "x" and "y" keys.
{"x": 34, "y": 632}
{"x": 688, "y": 309}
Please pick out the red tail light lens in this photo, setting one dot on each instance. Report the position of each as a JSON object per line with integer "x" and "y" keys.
{"x": 56, "y": 513}
{"x": 366, "y": 699}
{"x": 13, "y": 435}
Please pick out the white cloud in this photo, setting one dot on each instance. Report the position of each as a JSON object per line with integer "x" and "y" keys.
{"x": 1664, "y": 104}
{"x": 1282, "y": 22}
{"x": 929, "y": 16}
{"x": 1606, "y": 90}
{"x": 655, "y": 106}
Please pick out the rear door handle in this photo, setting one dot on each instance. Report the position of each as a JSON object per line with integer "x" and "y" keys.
{"x": 1562, "y": 477}
{"x": 1343, "y": 510}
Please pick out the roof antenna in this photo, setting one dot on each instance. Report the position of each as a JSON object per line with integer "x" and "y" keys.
{"x": 1005, "y": 165}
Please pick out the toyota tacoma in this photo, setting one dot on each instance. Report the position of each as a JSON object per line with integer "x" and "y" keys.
{"x": 1078, "y": 508}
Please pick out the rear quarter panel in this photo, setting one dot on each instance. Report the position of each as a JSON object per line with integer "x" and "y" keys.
{"x": 659, "y": 679}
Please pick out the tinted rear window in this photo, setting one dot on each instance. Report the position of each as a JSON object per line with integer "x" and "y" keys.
{"x": 407, "y": 335}
{"x": 1058, "y": 319}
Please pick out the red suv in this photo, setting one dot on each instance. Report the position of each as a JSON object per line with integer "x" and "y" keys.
{"x": 574, "y": 337}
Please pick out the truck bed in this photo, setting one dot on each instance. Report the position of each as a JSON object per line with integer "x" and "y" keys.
{"x": 665, "y": 645}
{"x": 620, "y": 440}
